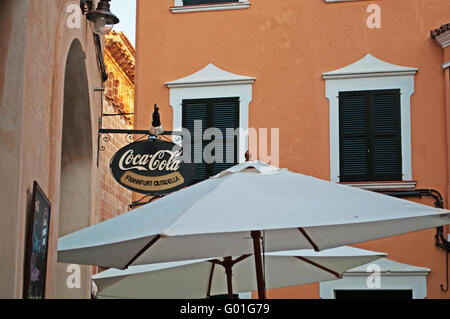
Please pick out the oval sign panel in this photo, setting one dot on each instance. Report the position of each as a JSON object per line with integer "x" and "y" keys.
{"x": 151, "y": 167}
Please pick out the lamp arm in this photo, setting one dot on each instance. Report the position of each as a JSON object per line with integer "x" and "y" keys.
{"x": 86, "y": 6}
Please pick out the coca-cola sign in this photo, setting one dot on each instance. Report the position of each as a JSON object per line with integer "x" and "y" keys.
{"x": 151, "y": 167}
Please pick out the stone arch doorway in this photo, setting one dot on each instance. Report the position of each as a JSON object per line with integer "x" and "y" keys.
{"x": 75, "y": 200}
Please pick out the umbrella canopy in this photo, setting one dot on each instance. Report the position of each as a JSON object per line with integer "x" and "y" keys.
{"x": 203, "y": 278}
{"x": 219, "y": 216}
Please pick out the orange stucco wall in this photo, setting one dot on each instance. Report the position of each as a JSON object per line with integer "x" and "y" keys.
{"x": 287, "y": 45}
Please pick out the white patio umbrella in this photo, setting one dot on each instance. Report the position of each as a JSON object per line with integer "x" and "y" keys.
{"x": 227, "y": 214}
{"x": 204, "y": 278}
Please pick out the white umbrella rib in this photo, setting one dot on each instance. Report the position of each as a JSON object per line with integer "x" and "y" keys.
{"x": 163, "y": 233}
{"x": 309, "y": 239}
{"x": 326, "y": 269}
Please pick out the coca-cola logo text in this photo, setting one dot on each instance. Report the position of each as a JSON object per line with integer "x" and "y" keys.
{"x": 152, "y": 167}
{"x": 147, "y": 162}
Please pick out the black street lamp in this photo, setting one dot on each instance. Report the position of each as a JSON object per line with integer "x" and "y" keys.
{"x": 102, "y": 18}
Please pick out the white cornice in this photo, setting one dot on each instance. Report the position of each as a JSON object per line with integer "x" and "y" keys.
{"x": 212, "y": 82}
{"x": 211, "y": 7}
{"x": 444, "y": 39}
{"x": 388, "y": 266}
{"x": 367, "y": 67}
{"x": 386, "y": 274}
{"x": 209, "y": 83}
{"x": 406, "y": 185}
{"x": 210, "y": 76}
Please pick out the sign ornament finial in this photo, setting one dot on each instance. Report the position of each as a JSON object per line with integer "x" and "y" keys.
{"x": 156, "y": 128}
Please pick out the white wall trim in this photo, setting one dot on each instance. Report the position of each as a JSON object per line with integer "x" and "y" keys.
{"x": 213, "y": 82}
{"x": 370, "y": 73}
{"x": 444, "y": 39}
{"x": 407, "y": 185}
{"x": 368, "y": 67}
{"x": 209, "y": 83}
{"x": 210, "y": 75}
{"x": 179, "y": 8}
{"x": 446, "y": 65}
{"x": 393, "y": 276}
{"x": 330, "y": 1}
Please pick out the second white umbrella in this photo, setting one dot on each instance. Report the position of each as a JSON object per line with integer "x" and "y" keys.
{"x": 205, "y": 277}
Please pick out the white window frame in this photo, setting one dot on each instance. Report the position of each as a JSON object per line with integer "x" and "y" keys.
{"x": 393, "y": 276}
{"x": 368, "y": 74}
{"x": 330, "y": 1}
{"x": 209, "y": 83}
{"x": 178, "y": 6}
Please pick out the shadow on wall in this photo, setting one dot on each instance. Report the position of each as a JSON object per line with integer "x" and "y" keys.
{"x": 76, "y": 165}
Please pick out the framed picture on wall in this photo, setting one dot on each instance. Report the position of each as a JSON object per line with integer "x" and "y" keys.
{"x": 37, "y": 248}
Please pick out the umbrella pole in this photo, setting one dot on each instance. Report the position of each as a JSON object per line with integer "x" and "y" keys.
{"x": 256, "y": 235}
{"x": 211, "y": 274}
{"x": 228, "y": 264}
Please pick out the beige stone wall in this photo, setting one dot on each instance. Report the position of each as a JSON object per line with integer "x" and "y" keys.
{"x": 12, "y": 59}
{"x": 33, "y": 53}
{"x": 118, "y": 99}
{"x": 113, "y": 199}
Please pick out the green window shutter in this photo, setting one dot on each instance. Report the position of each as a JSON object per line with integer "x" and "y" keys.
{"x": 220, "y": 113}
{"x": 226, "y": 116}
{"x": 370, "y": 136}
{"x": 196, "y": 110}
{"x": 354, "y": 161}
{"x": 386, "y": 135}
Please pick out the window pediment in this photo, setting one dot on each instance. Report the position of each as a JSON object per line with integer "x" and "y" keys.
{"x": 210, "y": 76}
{"x": 209, "y": 83}
{"x": 180, "y": 7}
{"x": 369, "y": 66}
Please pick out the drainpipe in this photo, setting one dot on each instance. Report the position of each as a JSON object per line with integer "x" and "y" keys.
{"x": 441, "y": 36}
{"x": 445, "y": 244}
{"x": 447, "y": 110}
{"x": 440, "y": 240}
